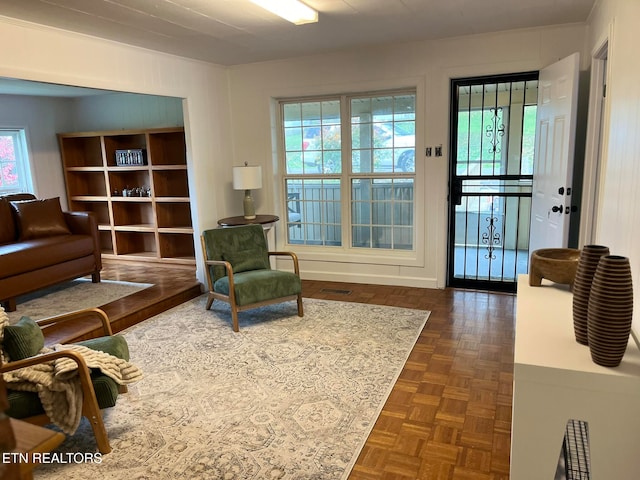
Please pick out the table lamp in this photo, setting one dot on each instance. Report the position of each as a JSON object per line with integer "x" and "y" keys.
{"x": 247, "y": 178}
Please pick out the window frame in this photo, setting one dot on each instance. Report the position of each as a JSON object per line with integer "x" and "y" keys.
{"x": 346, "y": 252}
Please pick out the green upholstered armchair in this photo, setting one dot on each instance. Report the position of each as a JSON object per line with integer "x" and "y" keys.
{"x": 22, "y": 342}
{"x": 239, "y": 273}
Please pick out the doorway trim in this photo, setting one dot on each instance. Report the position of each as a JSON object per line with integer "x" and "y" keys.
{"x": 596, "y": 142}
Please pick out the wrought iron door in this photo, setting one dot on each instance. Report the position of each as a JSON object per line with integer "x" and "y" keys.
{"x": 493, "y": 125}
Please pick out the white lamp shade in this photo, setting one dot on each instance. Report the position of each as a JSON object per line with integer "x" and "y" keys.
{"x": 247, "y": 178}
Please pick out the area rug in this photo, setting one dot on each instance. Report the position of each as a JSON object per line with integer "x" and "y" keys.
{"x": 285, "y": 398}
{"x": 73, "y": 295}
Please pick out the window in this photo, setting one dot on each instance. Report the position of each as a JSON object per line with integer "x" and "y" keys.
{"x": 14, "y": 162}
{"x": 360, "y": 148}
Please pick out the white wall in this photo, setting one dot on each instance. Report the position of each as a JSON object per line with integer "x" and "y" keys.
{"x": 50, "y": 55}
{"x": 428, "y": 66}
{"x": 115, "y": 111}
{"x": 41, "y": 117}
{"x": 618, "y": 224}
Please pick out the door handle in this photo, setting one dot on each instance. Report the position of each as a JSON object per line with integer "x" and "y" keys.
{"x": 457, "y": 191}
{"x": 557, "y": 208}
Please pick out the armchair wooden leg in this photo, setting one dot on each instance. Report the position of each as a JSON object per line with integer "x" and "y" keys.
{"x": 300, "y": 308}
{"x": 234, "y": 317}
{"x": 91, "y": 410}
{"x": 99, "y": 431}
{"x": 95, "y": 277}
{"x": 209, "y": 301}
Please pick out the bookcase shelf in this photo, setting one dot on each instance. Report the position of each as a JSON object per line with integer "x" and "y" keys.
{"x": 143, "y": 211}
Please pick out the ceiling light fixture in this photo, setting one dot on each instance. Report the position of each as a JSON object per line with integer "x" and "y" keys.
{"x": 291, "y": 10}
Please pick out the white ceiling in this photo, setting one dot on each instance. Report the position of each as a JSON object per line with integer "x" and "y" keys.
{"x": 232, "y": 32}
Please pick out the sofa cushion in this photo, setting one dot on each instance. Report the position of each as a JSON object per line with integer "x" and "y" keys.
{"x": 40, "y": 218}
{"x": 8, "y": 231}
{"x": 29, "y": 255}
{"x": 22, "y": 340}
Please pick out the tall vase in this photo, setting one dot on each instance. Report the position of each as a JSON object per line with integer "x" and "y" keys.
{"x": 587, "y": 264}
{"x": 610, "y": 310}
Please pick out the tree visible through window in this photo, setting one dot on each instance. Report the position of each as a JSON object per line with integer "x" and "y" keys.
{"x": 14, "y": 171}
{"x": 360, "y": 148}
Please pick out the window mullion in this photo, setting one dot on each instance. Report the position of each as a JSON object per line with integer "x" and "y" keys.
{"x": 345, "y": 113}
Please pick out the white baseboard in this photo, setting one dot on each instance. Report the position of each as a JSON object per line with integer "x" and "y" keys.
{"x": 351, "y": 277}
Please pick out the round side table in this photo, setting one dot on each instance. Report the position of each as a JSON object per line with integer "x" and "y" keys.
{"x": 267, "y": 221}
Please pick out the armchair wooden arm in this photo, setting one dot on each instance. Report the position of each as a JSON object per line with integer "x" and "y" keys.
{"x": 294, "y": 257}
{"x": 232, "y": 291}
{"x": 228, "y": 268}
{"x": 44, "y": 358}
{"x": 224, "y": 263}
{"x": 84, "y": 322}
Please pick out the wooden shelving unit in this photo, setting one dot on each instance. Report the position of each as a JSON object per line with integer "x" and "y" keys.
{"x": 154, "y": 226}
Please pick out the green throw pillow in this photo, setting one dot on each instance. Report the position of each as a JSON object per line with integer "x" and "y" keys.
{"x": 22, "y": 340}
{"x": 245, "y": 260}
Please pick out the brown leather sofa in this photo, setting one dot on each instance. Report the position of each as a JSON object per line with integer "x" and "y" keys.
{"x": 40, "y": 245}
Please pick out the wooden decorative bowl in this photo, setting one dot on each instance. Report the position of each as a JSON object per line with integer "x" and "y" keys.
{"x": 555, "y": 264}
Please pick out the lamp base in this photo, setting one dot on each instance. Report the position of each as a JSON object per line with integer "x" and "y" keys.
{"x": 249, "y": 207}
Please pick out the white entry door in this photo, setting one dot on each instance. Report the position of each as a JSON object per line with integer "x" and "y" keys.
{"x": 555, "y": 146}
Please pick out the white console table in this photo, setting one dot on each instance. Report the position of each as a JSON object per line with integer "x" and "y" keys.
{"x": 555, "y": 380}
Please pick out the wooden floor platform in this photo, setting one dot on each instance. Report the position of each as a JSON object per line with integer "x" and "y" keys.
{"x": 172, "y": 285}
{"x": 449, "y": 414}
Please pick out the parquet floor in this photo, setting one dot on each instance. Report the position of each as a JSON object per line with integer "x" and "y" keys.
{"x": 449, "y": 414}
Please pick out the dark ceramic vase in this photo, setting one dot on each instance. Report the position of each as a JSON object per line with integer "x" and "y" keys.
{"x": 587, "y": 264}
{"x": 610, "y": 310}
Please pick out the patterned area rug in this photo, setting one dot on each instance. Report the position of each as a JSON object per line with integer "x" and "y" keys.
{"x": 73, "y": 295}
{"x": 285, "y": 398}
